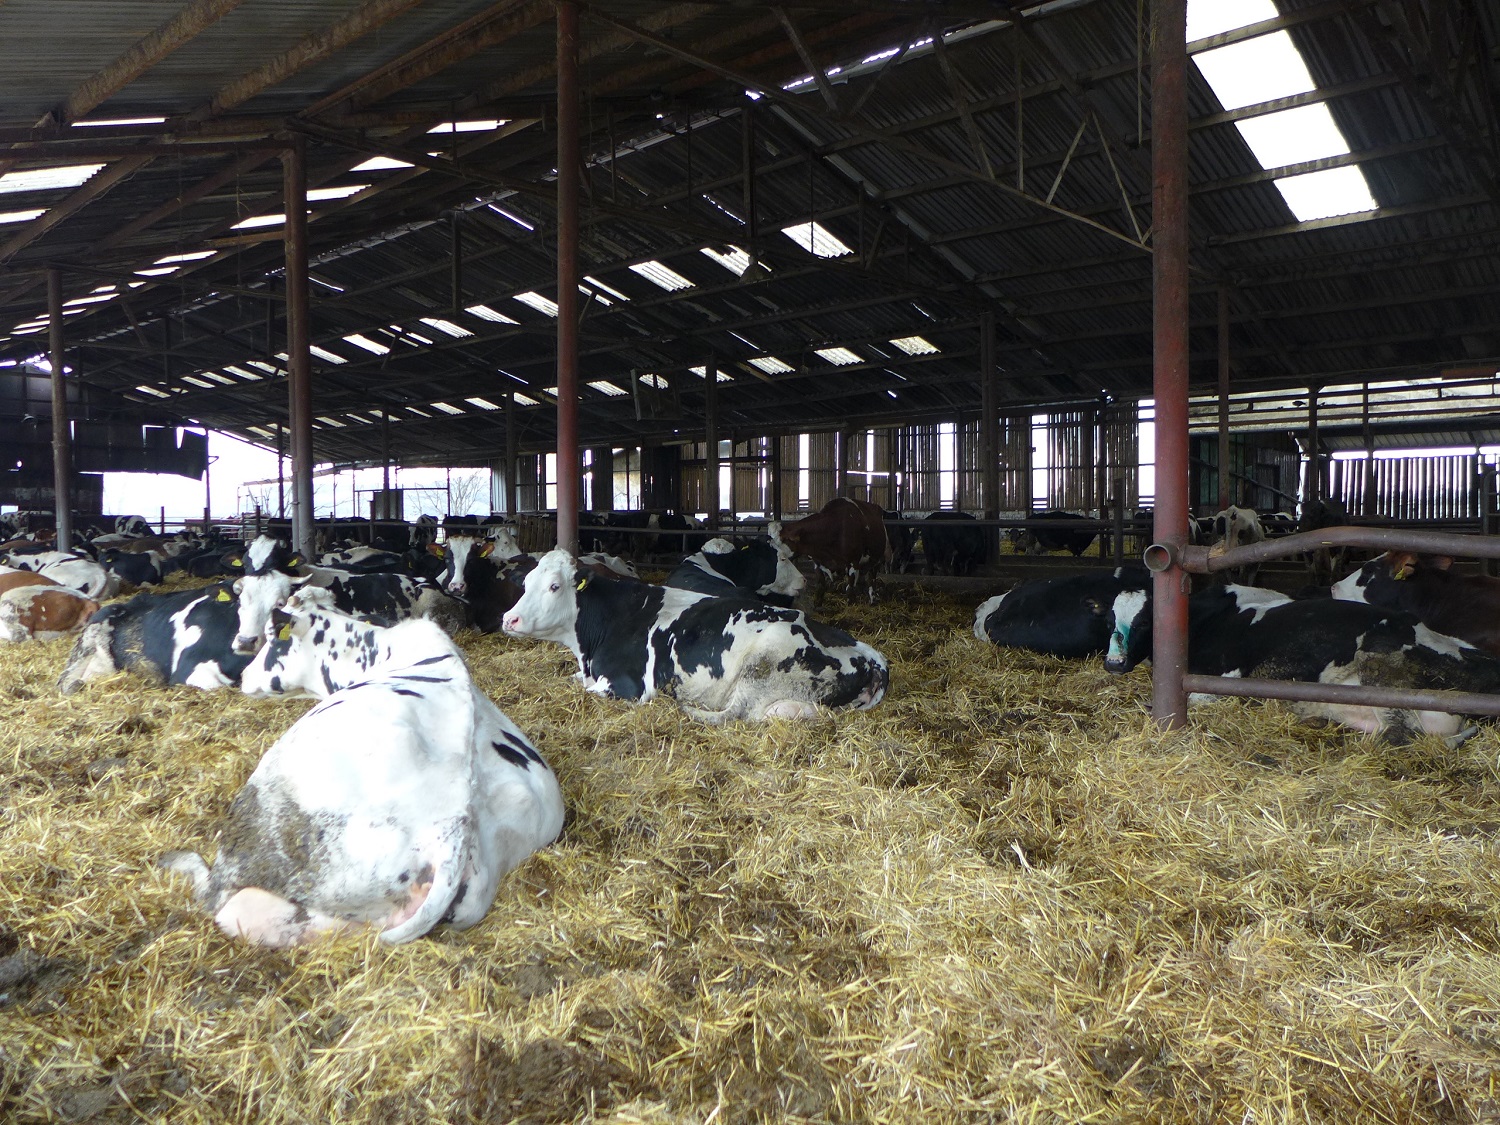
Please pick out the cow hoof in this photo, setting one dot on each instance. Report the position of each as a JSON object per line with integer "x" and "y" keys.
{"x": 1454, "y": 741}
{"x": 792, "y": 709}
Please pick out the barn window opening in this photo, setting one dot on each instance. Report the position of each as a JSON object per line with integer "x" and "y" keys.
{"x": 1262, "y": 69}
{"x": 1146, "y": 450}
{"x": 947, "y": 464}
{"x": 804, "y": 473}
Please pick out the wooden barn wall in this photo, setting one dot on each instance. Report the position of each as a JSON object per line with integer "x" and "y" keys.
{"x": 922, "y": 475}
{"x": 752, "y": 476}
{"x": 822, "y": 468}
{"x": 1409, "y": 488}
{"x": 1087, "y": 451}
{"x": 530, "y": 494}
{"x": 790, "y": 464}
{"x": 870, "y": 477}
{"x": 1264, "y": 468}
{"x": 693, "y": 494}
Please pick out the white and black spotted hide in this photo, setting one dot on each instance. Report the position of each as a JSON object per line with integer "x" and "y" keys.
{"x": 761, "y": 568}
{"x": 721, "y": 658}
{"x": 400, "y": 801}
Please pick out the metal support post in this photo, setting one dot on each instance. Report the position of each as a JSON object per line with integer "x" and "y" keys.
{"x": 298, "y": 335}
{"x": 1169, "y": 219}
{"x": 1226, "y": 479}
{"x": 711, "y": 498}
{"x": 62, "y": 444}
{"x": 568, "y": 461}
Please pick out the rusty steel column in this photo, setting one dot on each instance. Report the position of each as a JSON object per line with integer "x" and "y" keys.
{"x": 509, "y": 480}
{"x": 712, "y": 501}
{"x": 569, "y": 472}
{"x": 1169, "y": 221}
{"x": 62, "y": 444}
{"x": 1226, "y": 481}
{"x": 299, "y": 360}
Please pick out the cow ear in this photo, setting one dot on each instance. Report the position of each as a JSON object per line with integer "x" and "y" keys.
{"x": 284, "y": 633}
{"x": 1403, "y": 563}
{"x": 1437, "y": 562}
{"x": 236, "y": 561}
{"x": 584, "y": 581}
{"x": 1096, "y": 607}
{"x": 224, "y": 596}
{"x": 484, "y": 552}
{"x": 295, "y": 560}
{"x": 437, "y": 549}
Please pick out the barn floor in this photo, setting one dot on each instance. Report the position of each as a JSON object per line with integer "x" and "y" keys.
{"x": 1000, "y": 896}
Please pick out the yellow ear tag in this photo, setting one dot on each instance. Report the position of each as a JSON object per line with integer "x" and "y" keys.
{"x": 285, "y": 633}
{"x": 224, "y": 596}
{"x": 235, "y": 562}
{"x": 582, "y": 583}
{"x": 296, "y": 560}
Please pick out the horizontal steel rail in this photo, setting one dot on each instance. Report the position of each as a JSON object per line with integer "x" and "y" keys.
{"x": 1456, "y": 702}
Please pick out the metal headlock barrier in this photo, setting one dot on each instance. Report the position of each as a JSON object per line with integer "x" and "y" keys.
{"x": 1207, "y": 560}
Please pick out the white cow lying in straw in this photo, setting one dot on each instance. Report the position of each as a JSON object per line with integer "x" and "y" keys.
{"x": 400, "y": 801}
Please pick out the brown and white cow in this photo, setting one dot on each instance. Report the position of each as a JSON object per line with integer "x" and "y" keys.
{"x": 12, "y": 578}
{"x": 846, "y": 541}
{"x": 43, "y": 612}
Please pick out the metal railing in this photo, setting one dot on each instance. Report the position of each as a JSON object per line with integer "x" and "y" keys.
{"x": 1210, "y": 560}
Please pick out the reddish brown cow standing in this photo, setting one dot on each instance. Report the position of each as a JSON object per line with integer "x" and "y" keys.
{"x": 15, "y": 579}
{"x": 846, "y": 541}
{"x": 1459, "y": 605}
{"x": 43, "y": 613}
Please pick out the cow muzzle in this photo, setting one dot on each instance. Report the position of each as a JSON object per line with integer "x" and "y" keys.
{"x": 511, "y": 623}
{"x": 247, "y": 646}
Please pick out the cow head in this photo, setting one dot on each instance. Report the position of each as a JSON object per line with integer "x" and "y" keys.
{"x": 1130, "y": 642}
{"x": 260, "y": 595}
{"x": 1235, "y": 527}
{"x": 456, "y": 553}
{"x": 548, "y": 609}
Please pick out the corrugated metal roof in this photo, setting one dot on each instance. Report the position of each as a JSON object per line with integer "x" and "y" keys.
{"x": 907, "y": 184}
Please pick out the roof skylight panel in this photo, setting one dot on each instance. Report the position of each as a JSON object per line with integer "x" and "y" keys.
{"x": 262, "y": 365}
{"x": 380, "y": 164}
{"x": 484, "y": 312}
{"x": 325, "y": 354}
{"x": 469, "y": 126}
{"x": 192, "y": 256}
{"x": 839, "y": 356}
{"x": 1211, "y": 17}
{"x": 605, "y": 387}
{"x": 916, "y": 345}
{"x": 158, "y": 271}
{"x": 816, "y": 239}
{"x": 197, "y": 382}
{"x": 20, "y": 216}
{"x": 1265, "y": 68}
{"x": 538, "y": 302}
{"x": 446, "y": 408}
{"x": 241, "y": 372}
{"x": 455, "y": 330}
{"x": 359, "y": 340}
{"x": 482, "y": 403}
{"x": 512, "y": 216}
{"x": 1333, "y": 191}
{"x": 611, "y": 290}
{"x": 259, "y": 221}
{"x": 525, "y": 400}
{"x": 654, "y": 380}
{"x": 92, "y": 299}
{"x": 702, "y": 372}
{"x": 315, "y": 195}
{"x": 771, "y": 365}
{"x": 737, "y": 261}
{"x": 661, "y": 275}
{"x": 101, "y": 122}
{"x": 47, "y": 179}
{"x": 152, "y": 391}
{"x": 419, "y": 412}
{"x": 217, "y": 378}
{"x": 334, "y": 422}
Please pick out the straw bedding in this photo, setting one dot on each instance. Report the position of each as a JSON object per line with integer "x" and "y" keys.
{"x": 999, "y": 896}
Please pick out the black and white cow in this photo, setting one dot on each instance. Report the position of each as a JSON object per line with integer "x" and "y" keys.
{"x": 400, "y": 801}
{"x": 720, "y": 658}
{"x": 70, "y": 570}
{"x": 1243, "y": 631}
{"x": 760, "y": 568}
{"x": 132, "y": 568}
{"x": 182, "y": 638}
{"x": 1072, "y": 616}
